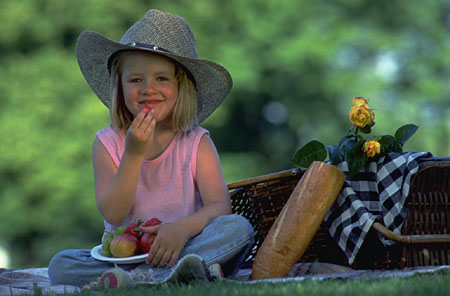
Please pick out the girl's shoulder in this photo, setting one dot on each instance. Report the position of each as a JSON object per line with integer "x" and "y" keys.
{"x": 198, "y": 130}
{"x": 112, "y": 140}
{"x": 194, "y": 134}
{"x": 110, "y": 132}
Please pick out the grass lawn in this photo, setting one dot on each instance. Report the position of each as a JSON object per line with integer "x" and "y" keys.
{"x": 437, "y": 283}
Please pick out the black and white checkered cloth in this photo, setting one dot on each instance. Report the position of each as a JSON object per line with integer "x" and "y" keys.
{"x": 378, "y": 192}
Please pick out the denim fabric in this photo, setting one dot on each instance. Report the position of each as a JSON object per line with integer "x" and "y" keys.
{"x": 227, "y": 240}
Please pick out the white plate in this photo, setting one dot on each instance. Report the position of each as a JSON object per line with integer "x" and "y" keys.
{"x": 125, "y": 260}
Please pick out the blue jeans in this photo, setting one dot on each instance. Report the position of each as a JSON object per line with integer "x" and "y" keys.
{"x": 227, "y": 240}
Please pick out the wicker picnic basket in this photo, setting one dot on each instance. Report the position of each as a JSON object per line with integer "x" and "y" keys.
{"x": 425, "y": 238}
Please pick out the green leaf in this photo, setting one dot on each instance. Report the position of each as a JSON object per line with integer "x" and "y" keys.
{"x": 312, "y": 151}
{"x": 387, "y": 140}
{"x": 358, "y": 147}
{"x": 367, "y": 129}
{"x": 390, "y": 144}
{"x": 344, "y": 140}
{"x": 349, "y": 145}
{"x": 336, "y": 155}
{"x": 355, "y": 157}
{"x": 355, "y": 164}
{"x": 405, "y": 132}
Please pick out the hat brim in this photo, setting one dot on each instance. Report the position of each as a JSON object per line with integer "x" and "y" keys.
{"x": 213, "y": 82}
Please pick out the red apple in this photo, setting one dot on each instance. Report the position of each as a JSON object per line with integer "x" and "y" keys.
{"x": 124, "y": 245}
{"x": 146, "y": 242}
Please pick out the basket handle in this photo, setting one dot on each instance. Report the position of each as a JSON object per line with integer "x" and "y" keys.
{"x": 264, "y": 178}
{"x": 411, "y": 239}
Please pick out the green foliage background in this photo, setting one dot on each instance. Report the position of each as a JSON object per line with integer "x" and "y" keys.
{"x": 296, "y": 66}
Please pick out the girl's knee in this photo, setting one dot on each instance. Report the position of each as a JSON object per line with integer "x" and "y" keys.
{"x": 237, "y": 226}
{"x": 239, "y": 221}
{"x": 67, "y": 265}
{"x": 56, "y": 267}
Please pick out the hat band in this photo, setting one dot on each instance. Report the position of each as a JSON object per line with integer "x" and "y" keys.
{"x": 148, "y": 46}
{"x": 134, "y": 44}
{"x": 153, "y": 47}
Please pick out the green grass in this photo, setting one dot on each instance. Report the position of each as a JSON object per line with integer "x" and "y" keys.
{"x": 437, "y": 283}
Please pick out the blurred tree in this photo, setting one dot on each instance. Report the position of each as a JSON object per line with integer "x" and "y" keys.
{"x": 296, "y": 65}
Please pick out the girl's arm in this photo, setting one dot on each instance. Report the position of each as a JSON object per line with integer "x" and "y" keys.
{"x": 212, "y": 187}
{"x": 172, "y": 237}
{"x": 115, "y": 188}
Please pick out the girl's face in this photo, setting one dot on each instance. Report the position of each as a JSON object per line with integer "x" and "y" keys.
{"x": 149, "y": 80}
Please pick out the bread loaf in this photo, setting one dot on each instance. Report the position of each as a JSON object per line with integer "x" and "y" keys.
{"x": 298, "y": 221}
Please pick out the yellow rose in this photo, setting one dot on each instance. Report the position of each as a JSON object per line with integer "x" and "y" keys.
{"x": 371, "y": 148}
{"x": 360, "y": 114}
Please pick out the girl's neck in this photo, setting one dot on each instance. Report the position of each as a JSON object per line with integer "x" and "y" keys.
{"x": 162, "y": 139}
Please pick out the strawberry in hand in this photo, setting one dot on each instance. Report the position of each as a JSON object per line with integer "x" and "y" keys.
{"x": 146, "y": 109}
{"x": 133, "y": 229}
{"x": 147, "y": 238}
{"x": 152, "y": 222}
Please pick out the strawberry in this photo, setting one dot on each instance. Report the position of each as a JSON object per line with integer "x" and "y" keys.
{"x": 147, "y": 239}
{"x": 133, "y": 229}
{"x": 152, "y": 222}
{"x": 146, "y": 109}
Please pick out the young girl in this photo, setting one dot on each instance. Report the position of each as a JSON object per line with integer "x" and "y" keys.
{"x": 154, "y": 160}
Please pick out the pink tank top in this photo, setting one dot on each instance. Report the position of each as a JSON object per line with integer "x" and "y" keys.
{"x": 167, "y": 186}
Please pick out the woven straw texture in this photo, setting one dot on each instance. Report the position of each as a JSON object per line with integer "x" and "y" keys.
{"x": 162, "y": 33}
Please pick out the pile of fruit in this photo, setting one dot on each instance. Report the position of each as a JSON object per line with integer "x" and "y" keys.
{"x": 126, "y": 241}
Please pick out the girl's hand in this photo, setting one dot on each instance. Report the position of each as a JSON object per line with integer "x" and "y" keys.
{"x": 170, "y": 240}
{"x": 140, "y": 133}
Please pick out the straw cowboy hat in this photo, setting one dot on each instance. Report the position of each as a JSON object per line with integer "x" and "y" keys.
{"x": 162, "y": 33}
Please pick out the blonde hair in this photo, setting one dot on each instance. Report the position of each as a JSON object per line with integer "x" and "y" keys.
{"x": 184, "y": 113}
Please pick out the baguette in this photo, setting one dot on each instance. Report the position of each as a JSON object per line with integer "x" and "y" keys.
{"x": 298, "y": 221}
